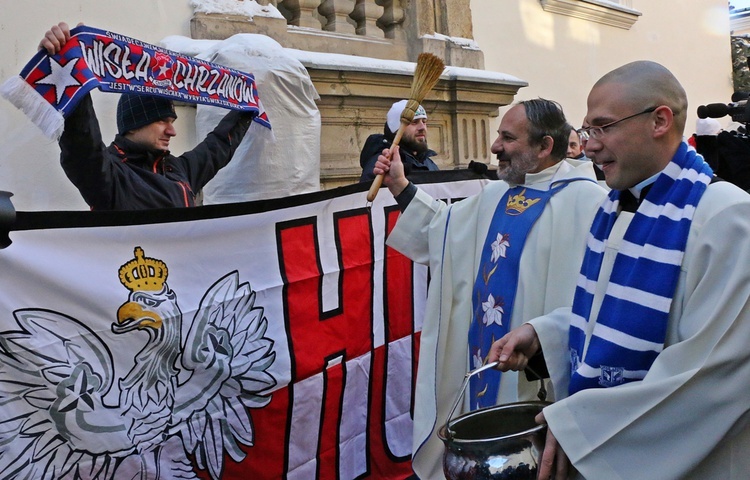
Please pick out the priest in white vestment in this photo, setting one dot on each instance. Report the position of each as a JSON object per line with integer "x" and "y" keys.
{"x": 530, "y": 148}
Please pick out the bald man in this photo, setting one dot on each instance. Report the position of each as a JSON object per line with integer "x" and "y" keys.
{"x": 654, "y": 353}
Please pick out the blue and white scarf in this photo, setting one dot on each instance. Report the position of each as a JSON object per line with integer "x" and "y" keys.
{"x": 631, "y": 326}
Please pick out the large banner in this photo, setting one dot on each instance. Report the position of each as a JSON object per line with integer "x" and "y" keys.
{"x": 264, "y": 340}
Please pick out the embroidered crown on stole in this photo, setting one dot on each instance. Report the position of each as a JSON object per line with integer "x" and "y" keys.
{"x": 517, "y": 204}
{"x": 143, "y": 273}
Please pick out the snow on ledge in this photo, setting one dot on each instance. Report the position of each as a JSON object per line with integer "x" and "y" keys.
{"x": 465, "y": 43}
{"x": 247, "y": 8}
{"x": 255, "y": 44}
{"x": 337, "y": 61}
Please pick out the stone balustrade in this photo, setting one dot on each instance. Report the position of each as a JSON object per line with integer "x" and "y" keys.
{"x": 354, "y": 95}
{"x": 369, "y": 18}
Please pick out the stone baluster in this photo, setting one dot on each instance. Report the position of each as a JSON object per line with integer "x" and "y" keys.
{"x": 338, "y": 12}
{"x": 302, "y": 13}
{"x": 366, "y": 14}
{"x": 392, "y": 20}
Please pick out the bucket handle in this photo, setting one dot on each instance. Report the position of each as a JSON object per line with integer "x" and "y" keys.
{"x": 449, "y": 433}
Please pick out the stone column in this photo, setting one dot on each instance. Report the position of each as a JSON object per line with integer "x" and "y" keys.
{"x": 303, "y": 13}
{"x": 337, "y": 13}
{"x": 392, "y": 20}
{"x": 366, "y": 14}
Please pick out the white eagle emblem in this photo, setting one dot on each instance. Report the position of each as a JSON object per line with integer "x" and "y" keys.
{"x": 182, "y": 405}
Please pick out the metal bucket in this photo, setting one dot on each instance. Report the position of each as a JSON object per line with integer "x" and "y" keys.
{"x": 500, "y": 442}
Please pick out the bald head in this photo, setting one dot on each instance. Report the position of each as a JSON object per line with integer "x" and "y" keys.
{"x": 640, "y": 111}
{"x": 645, "y": 84}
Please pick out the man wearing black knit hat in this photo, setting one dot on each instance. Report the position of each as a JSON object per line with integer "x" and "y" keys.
{"x": 146, "y": 120}
{"x": 137, "y": 170}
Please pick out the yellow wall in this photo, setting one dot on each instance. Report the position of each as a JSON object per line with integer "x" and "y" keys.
{"x": 561, "y": 57}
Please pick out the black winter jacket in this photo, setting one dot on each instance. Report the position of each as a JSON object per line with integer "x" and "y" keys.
{"x": 374, "y": 146}
{"x": 127, "y": 176}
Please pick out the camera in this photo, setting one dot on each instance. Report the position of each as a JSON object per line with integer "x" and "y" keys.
{"x": 738, "y": 109}
{"x": 728, "y": 153}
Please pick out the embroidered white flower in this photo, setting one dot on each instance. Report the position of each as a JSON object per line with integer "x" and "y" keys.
{"x": 499, "y": 246}
{"x": 493, "y": 312}
{"x": 478, "y": 359}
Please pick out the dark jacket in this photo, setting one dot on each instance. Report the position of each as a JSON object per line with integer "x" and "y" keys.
{"x": 374, "y": 146}
{"x": 127, "y": 176}
{"x": 728, "y": 154}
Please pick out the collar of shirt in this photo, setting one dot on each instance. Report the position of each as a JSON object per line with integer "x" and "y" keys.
{"x": 636, "y": 190}
{"x": 547, "y": 175}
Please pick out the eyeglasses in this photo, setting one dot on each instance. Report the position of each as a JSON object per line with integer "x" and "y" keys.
{"x": 598, "y": 132}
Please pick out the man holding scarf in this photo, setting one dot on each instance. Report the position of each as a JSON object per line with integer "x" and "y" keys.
{"x": 654, "y": 353}
{"x": 496, "y": 259}
{"x": 137, "y": 170}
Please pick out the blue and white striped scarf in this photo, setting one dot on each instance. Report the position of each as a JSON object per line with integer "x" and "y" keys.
{"x": 631, "y": 326}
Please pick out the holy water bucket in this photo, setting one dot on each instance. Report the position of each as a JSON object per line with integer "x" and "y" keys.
{"x": 495, "y": 443}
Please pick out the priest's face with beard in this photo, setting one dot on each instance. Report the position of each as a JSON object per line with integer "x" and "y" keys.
{"x": 515, "y": 155}
{"x": 414, "y": 138}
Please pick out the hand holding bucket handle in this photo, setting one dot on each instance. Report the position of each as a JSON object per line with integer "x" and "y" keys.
{"x": 502, "y": 442}
{"x": 542, "y": 394}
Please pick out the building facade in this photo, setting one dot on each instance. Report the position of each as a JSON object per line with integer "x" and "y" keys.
{"x": 496, "y": 52}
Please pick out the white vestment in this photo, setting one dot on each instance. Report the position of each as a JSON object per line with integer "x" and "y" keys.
{"x": 688, "y": 418}
{"x": 548, "y": 269}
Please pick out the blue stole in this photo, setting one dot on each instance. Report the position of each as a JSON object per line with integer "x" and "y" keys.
{"x": 497, "y": 281}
